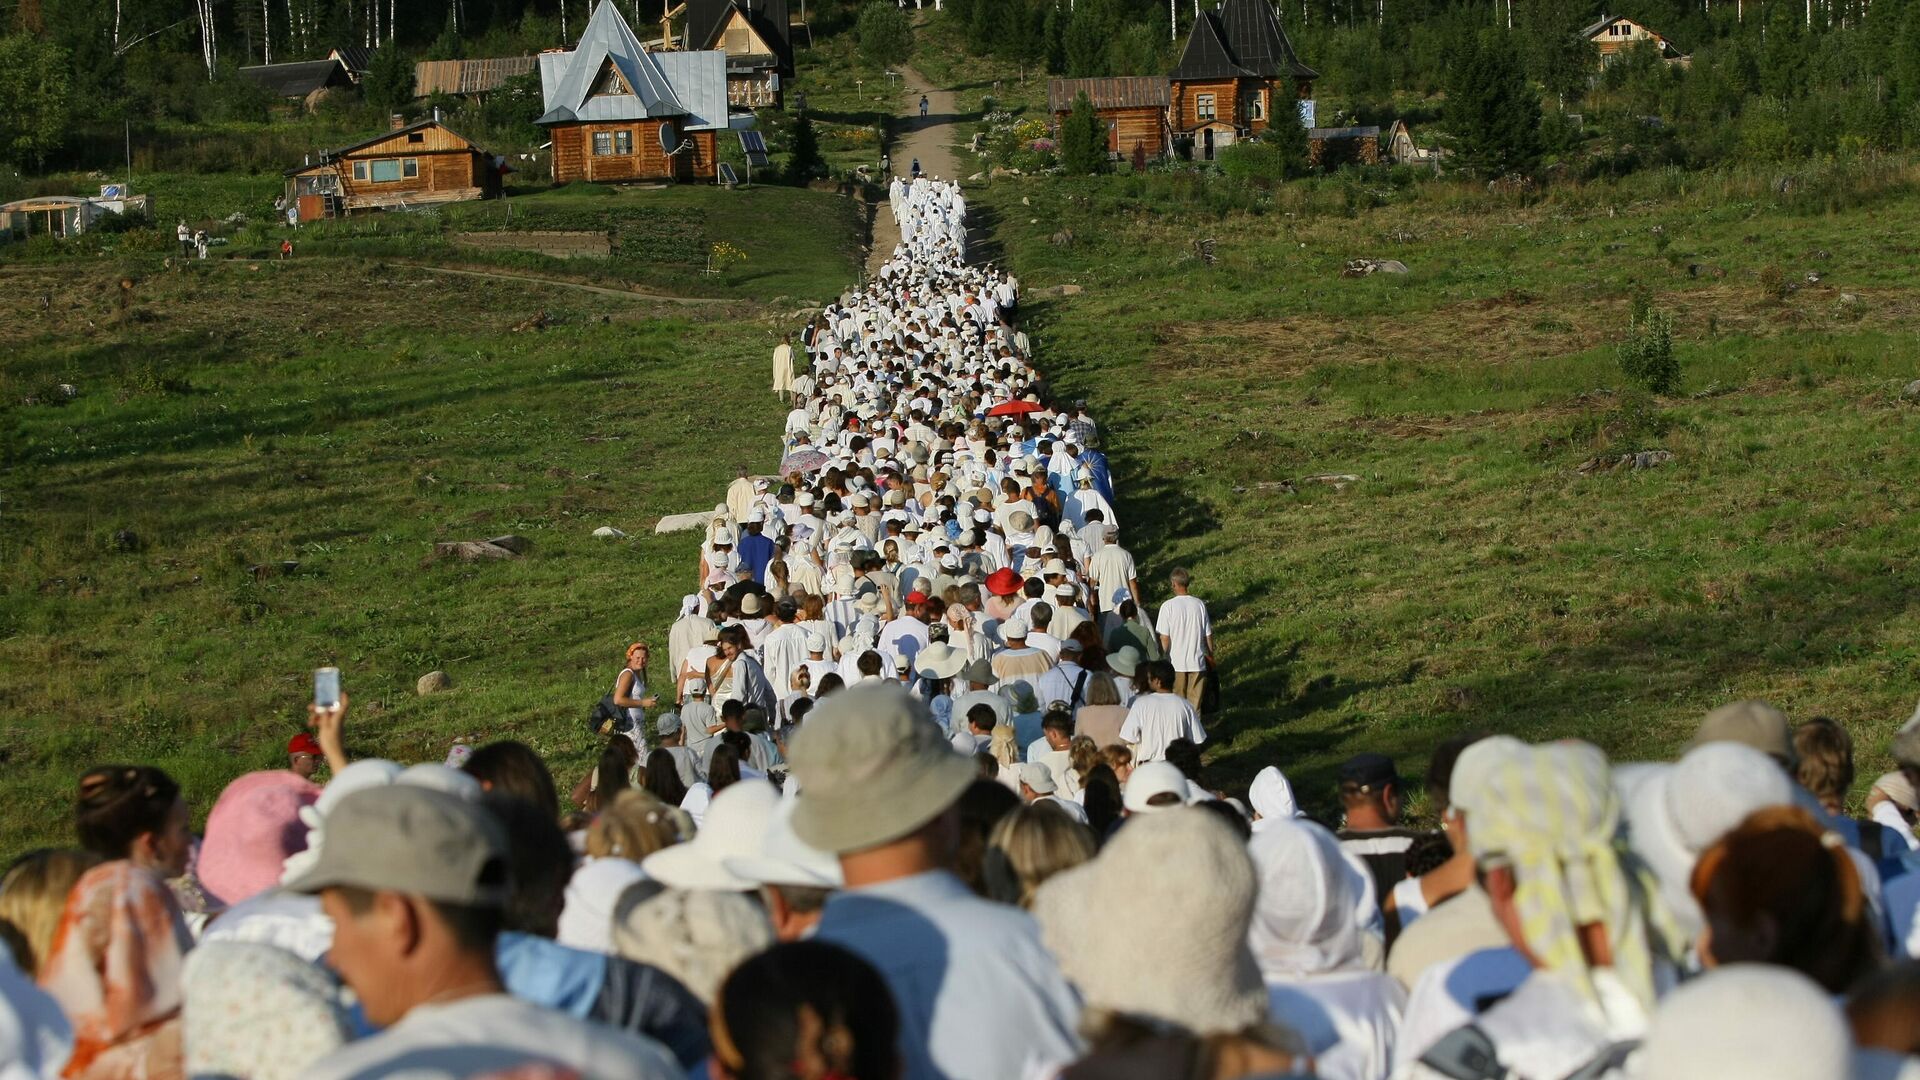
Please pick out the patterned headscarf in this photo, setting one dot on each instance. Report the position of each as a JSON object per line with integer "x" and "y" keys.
{"x": 1552, "y": 813}
{"x": 115, "y": 970}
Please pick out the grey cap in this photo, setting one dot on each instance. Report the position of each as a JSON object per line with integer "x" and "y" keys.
{"x": 408, "y": 839}
{"x": 667, "y": 724}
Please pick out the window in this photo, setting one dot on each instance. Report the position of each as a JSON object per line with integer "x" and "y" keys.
{"x": 623, "y": 142}
{"x": 416, "y": 136}
{"x": 384, "y": 170}
{"x": 1203, "y": 106}
{"x": 1258, "y": 107}
{"x": 359, "y": 170}
{"x": 602, "y": 143}
{"x": 410, "y": 168}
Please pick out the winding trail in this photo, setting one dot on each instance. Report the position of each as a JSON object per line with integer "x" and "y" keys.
{"x": 930, "y": 139}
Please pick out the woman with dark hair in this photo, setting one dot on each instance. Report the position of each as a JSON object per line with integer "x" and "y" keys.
{"x": 512, "y": 768}
{"x": 805, "y": 1010}
{"x": 609, "y": 777}
{"x": 1093, "y": 651}
{"x": 723, "y": 769}
{"x": 1101, "y": 799}
{"x": 116, "y": 959}
{"x": 1780, "y": 889}
{"x": 663, "y": 778}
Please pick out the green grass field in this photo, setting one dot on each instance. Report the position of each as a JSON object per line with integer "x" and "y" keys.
{"x": 1471, "y": 576}
{"x": 345, "y": 411}
{"x": 346, "y": 414}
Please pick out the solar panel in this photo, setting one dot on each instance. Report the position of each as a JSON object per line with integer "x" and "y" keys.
{"x": 727, "y": 175}
{"x": 755, "y": 147}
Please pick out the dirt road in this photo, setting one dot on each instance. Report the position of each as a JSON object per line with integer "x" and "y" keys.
{"x": 930, "y": 139}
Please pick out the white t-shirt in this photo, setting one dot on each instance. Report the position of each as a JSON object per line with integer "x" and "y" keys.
{"x": 1156, "y": 720}
{"x": 493, "y": 1033}
{"x": 1112, "y": 567}
{"x": 1184, "y": 623}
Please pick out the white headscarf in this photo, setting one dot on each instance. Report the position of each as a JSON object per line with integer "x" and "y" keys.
{"x": 1754, "y": 1021}
{"x": 1306, "y": 919}
{"x": 586, "y": 922}
{"x": 1272, "y": 798}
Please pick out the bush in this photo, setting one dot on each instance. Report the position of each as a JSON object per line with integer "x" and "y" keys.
{"x": 1252, "y": 162}
{"x": 885, "y": 34}
{"x": 1646, "y": 353}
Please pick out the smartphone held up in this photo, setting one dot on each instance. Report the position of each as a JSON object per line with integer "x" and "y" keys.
{"x": 326, "y": 688}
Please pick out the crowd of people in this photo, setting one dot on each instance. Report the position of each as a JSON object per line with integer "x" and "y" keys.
{"x": 918, "y": 792}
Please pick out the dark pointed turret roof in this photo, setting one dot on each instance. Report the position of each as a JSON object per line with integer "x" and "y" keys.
{"x": 1206, "y": 55}
{"x": 1258, "y": 42}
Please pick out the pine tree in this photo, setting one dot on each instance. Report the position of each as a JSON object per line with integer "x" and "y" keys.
{"x": 1086, "y": 42}
{"x": 1055, "y": 32}
{"x": 805, "y": 163}
{"x": 1492, "y": 109}
{"x": 1083, "y": 139}
{"x": 1287, "y": 133}
{"x": 388, "y": 83}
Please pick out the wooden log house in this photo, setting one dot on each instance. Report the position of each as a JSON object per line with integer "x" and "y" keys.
{"x": 617, "y": 112}
{"x": 757, "y": 41}
{"x": 424, "y": 162}
{"x": 1238, "y": 66}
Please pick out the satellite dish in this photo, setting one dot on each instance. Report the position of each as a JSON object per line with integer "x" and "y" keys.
{"x": 669, "y": 139}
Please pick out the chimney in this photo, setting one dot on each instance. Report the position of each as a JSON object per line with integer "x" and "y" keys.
{"x": 396, "y": 122}
{"x": 436, "y": 114}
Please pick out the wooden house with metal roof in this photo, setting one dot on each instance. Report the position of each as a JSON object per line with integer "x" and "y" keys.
{"x": 757, "y": 40}
{"x": 1134, "y": 108}
{"x": 618, "y": 112}
{"x": 412, "y": 164}
{"x": 1238, "y": 66}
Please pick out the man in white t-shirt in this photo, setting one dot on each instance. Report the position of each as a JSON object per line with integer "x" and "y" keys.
{"x": 1159, "y": 716}
{"x": 1112, "y": 573}
{"x": 415, "y": 881}
{"x": 1186, "y": 636}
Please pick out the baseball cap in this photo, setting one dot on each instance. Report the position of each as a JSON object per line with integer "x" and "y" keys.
{"x": 305, "y": 743}
{"x": 667, "y": 724}
{"x": 1369, "y": 770}
{"x": 410, "y": 839}
{"x": 1153, "y": 779}
{"x": 1750, "y": 723}
{"x": 1038, "y": 777}
{"x": 872, "y": 767}
{"x": 916, "y": 597}
{"x": 696, "y": 686}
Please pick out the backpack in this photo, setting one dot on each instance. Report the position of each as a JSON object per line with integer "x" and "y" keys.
{"x": 606, "y": 718}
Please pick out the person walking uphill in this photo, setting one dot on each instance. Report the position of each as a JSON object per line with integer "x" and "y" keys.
{"x": 783, "y": 368}
{"x": 1186, "y": 633}
{"x": 980, "y": 997}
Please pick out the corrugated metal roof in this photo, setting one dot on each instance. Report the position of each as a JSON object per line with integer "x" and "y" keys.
{"x": 299, "y": 79}
{"x": 1206, "y": 55}
{"x": 668, "y": 84}
{"x": 468, "y": 76}
{"x": 1366, "y": 132}
{"x": 1258, "y": 42}
{"x": 1127, "y": 92}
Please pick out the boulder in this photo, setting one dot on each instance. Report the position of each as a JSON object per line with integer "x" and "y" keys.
{"x": 608, "y": 532}
{"x": 519, "y": 545}
{"x": 1912, "y": 391}
{"x": 432, "y": 683}
{"x": 469, "y": 551}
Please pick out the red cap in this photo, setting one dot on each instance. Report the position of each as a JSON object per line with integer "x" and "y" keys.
{"x": 304, "y": 743}
{"x": 916, "y": 597}
{"x": 1003, "y": 582}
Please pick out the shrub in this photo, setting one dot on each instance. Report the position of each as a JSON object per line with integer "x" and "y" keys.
{"x": 1773, "y": 283}
{"x": 1646, "y": 353}
{"x": 1083, "y": 139}
{"x": 885, "y": 34}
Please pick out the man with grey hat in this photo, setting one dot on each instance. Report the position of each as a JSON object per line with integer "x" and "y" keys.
{"x": 416, "y": 881}
{"x": 979, "y": 995}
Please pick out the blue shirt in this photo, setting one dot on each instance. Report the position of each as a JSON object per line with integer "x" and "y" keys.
{"x": 756, "y": 551}
{"x": 980, "y": 997}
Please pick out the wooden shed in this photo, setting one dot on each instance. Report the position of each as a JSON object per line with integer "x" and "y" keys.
{"x": 1330, "y": 148}
{"x": 1134, "y": 108}
{"x": 618, "y": 112}
{"x": 426, "y": 162}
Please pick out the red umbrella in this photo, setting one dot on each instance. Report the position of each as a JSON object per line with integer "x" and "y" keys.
{"x": 1016, "y": 408}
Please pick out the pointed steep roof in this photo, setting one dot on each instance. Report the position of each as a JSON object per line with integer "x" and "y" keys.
{"x": 1258, "y": 42}
{"x": 688, "y": 85}
{"x": 768, "y": 18}
{"x": 1206, "y": 55}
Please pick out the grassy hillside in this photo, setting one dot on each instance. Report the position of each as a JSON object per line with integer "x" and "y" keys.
{"x": 1469, "y": 574}
{"x": 344, "y": 414}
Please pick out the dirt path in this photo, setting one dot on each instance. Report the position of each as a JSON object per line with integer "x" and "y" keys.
{"x": 930, "y": 139}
